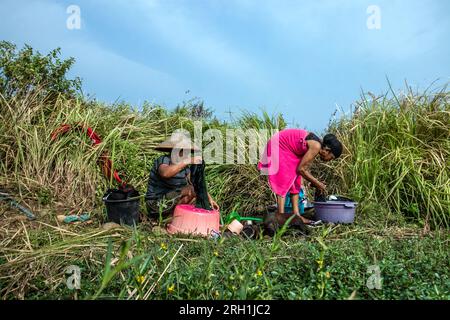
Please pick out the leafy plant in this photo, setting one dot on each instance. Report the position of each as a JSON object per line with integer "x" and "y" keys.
{"x": 26, "y": 72}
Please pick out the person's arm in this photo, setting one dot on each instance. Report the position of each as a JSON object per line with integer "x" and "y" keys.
{"x": 168, "y": 171}
{"x": 214, "y": 204}
{"x": 303, "y": 168}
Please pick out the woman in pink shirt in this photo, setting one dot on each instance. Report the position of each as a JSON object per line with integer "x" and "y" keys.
{"x": 286, "y": 160}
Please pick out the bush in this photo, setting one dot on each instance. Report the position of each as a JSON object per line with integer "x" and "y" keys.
{"x": 26, "y": 72}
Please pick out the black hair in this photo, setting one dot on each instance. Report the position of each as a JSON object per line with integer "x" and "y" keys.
{"x": 330, "y": 141}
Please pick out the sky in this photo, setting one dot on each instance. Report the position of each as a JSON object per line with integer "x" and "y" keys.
{"x": 304, "y": 59}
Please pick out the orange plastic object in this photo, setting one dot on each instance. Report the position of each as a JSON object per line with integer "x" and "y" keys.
{"x": 191, "y": 220}
{"x": 235, "y": 226}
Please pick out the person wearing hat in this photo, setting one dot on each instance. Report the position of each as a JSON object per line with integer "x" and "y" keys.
{"x": 286, "y": 160}
{"x": 169, "y": 180}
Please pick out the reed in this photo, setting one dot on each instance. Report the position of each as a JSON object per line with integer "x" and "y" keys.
{"x": 397, "y": 152}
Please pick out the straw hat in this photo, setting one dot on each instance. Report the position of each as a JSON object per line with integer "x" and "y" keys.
{"x": 178, "y": 141}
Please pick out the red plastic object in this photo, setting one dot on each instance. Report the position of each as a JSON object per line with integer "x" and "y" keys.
{"x": 188, "y": 219}
{"x": 103, "y": 160}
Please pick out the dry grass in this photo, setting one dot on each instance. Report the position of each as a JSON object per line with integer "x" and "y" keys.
{"x": 395, "y": 164}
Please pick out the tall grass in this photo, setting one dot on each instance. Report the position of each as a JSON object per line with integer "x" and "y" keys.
{"x": 66, "y": 171}
{"x": 396, "y": 161}
{"x": 67, "y": 167}
{"x": 397, "y": 155}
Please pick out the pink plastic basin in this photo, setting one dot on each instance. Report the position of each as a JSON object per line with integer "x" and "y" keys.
{"x": 188, "y": 219}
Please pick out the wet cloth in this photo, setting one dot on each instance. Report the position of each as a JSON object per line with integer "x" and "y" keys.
{"x": 199, "y": 183}
{"x": 281, "y": 158}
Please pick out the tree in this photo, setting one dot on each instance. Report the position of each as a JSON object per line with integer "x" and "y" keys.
{"x": 195, "y": 109}
{"x": 25, "y": 71}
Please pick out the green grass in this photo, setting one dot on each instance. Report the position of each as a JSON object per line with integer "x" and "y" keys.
{"x": 397, "y": 151}
{"x": 155, "y": 266}
{"x": 395, "y": 165}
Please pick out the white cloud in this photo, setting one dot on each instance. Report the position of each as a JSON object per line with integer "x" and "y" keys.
{"x": 187, "y": 32}
{"x": 409, "y": 28}
{"x": 43, "y": 25}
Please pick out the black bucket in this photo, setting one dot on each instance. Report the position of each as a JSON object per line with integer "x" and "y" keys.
{"x": 122, "y": 207}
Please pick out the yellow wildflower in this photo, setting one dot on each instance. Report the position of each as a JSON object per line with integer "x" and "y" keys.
{"x": 171, "y": 289}
{"x": 163, "y": 246}
{"x": 320, "y": 263}
{"x": 216, "y": 253}
{"x": 259, "y": 273}
{"x": 140, "y": 279}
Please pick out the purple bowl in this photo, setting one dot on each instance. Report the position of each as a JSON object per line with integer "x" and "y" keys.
{"x": 335, "y": 211}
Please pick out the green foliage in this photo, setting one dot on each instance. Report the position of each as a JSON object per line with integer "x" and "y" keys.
{"x": 194, "y": 109}
{"x": 395, "y": 164}
{"x": 44, "y": 196}
{"x": 397, "y": 153}
{"x": 135, "y": 264}
{"x": 26, "y": 72}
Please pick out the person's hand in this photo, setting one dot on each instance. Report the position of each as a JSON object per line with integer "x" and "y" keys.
{"x": 188, "y": 191}
{"x": 322, "y": 188}
{"x": 196, "y": 160}
{"x": 193, "y": 160}
{"x": 214, "y": 205}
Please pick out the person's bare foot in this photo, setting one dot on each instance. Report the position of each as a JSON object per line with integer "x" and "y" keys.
{"x": 304, "y": 220}
{"x": 282, "y": 217}
{"x": 270, "y": 224}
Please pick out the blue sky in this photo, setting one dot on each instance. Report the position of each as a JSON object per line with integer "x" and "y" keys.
{"x": 300, "y": 58}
